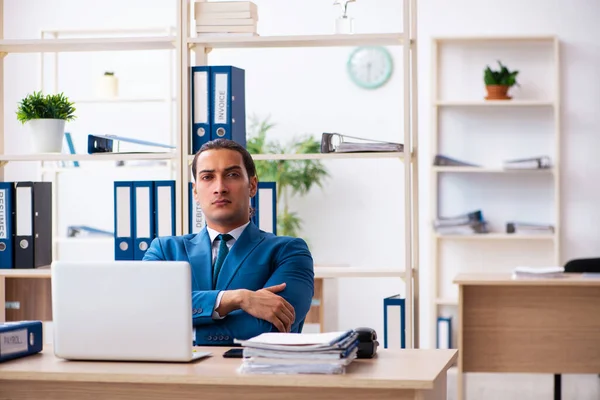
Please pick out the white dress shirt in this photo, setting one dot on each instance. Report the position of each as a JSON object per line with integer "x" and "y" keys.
{"x": 215, "y": 251}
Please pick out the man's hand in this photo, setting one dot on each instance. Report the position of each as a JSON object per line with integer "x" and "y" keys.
{"x": 263, "y": 304}
{"x": 266, "y": 305}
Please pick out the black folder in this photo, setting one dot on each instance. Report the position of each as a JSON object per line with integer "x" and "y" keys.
{"x": 33, "y": 224}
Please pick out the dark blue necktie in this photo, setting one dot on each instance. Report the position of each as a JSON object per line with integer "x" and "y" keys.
{"x": 223, "y": 250}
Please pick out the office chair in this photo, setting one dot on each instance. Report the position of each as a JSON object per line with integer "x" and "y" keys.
{"x": 576, "y": 266}
{"x": 583, "y": 265}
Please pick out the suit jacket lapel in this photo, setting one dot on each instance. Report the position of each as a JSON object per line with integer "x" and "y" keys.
{"x": 247, "y": 241}
{"x": 199, "y": 253}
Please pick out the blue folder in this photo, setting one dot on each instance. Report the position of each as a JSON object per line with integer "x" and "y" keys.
{"x": 7, "y": 228}
{"x": 228, "y": 107}
{"x": 200, "y": 106}
{"x": 20, "y": 339}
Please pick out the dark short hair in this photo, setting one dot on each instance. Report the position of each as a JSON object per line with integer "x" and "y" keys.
{"x": 227, "y": 144}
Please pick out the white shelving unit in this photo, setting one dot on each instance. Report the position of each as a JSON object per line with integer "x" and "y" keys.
{"x": 202, "y": 46}
{"x": 191, "y": 50}
{"x": 497, "y": 250}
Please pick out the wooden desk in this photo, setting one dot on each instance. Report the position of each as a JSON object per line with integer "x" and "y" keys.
{"x": 528, "y": 325}
{"x": 393, "y": 374}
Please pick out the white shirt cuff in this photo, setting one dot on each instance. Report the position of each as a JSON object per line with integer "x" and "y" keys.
{"x": 215, "y": 314}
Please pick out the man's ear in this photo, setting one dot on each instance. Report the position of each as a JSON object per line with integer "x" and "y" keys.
{"x": 253, "y": 186}
{"x": 195, "y": 193}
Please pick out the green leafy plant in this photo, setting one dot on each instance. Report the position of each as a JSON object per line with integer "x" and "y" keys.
{"x": 502, "y": 77}
{"x": 37, "y": 106}
{"x": 109, "y": 73}
{"x": 293, "y": 177}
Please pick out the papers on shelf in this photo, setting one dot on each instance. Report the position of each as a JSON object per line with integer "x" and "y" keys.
{"x": 337, "y": 143}
{"x": 299, "y": 353}
{"x": 538, "y": 272}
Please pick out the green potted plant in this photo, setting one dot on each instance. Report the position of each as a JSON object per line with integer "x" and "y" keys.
{"x": 108, "y": 85}
{"x": 46, "y": 116}
{"x": 293, "y": 177}
{"x": 498, "y": 82}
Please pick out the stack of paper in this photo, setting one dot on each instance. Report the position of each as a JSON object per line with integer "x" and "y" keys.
{"x": 538, "y": 272}
{"x": 299, "y": 353}
{"x": 226, "y": 17}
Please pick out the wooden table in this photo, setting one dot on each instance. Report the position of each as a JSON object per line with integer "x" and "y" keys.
{"x": 393, "y": 374}
{"x": 529, "y": 325}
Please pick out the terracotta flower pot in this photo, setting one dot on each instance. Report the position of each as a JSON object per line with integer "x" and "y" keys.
{"x": 497, "y": 92}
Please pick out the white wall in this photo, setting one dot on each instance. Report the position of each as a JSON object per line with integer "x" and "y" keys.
{"x": 306, "y": 91}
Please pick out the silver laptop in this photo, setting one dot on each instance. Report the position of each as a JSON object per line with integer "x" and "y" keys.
{"x": 123, "y": 311}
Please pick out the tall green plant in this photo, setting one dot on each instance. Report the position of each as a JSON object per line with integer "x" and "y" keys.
{"x": 293, "y": 177}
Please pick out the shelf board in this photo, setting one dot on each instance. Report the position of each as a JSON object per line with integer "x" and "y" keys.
{"x": 319, "y": 156}
{"x": 497, "y": 38}
{"x": 87, "y": 157}
{"x": 497, "y": 236}
{"x": 43, "y": 272}
{"x": 494, "y": 103}
{"x": 320, "y": 272}
{"x": 356, "y": 272}
{"x": 446, "y": 301}
{"x": 334, "y": 40}
{"x": 124, "y": 100}
{"x": 87, "y": 44}
{"x": 487, "y": 170}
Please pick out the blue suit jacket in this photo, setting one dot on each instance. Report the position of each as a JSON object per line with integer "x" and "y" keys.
{"x": 256, "y": 260}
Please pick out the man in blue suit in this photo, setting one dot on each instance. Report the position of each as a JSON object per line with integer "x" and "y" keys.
{"x": 244, "y": 281}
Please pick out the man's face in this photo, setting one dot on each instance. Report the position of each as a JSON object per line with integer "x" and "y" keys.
{"x": 223, "y": 188}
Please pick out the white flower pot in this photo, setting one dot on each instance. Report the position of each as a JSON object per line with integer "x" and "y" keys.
{"x": 47, "y": 135}
{"x": 107, "y": 87}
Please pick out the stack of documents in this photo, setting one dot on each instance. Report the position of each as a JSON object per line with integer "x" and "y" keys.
{"x": 464, "y": 224}
{"x": 529, "y": 228}
{"x": 542, "y": 162}
{"x": 538, "y": 272}
{"x": 226, "y": 17}
{"x": 299, "y": 353}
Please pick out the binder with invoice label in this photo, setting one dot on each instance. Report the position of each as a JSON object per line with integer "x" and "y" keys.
{"x": 33, "y": 224}
{"x": 164, "y": 205}
{"x": 228, "y": 108}
{"x": 7, "y": 231}
{"x": 124, "y": 220}
{"x": 143, "y": 217}
{"x": 196, "y": 216}
{"x": 200, "y": 106}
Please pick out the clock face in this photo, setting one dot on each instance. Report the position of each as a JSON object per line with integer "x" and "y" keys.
{"x": 370, "y": 67}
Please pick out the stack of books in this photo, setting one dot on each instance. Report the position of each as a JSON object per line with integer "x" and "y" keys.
{"x": 465, "y": 224}
{"x": 226, "y": 18}
{"x": 299, "y": 353}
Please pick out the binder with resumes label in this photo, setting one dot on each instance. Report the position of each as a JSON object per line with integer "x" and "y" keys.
{"x": 196, "y": 216}
{"x": 143, "y": 216}
{"x": 124, "y": 221}
{"x": 164, "y": 202}
{"x": 20, "y": 339}
{"x": 6, "y": 225}
{"x": 33, "y": 224}
{"x": 200, "y": 106}
{"x": 228, "y": 107}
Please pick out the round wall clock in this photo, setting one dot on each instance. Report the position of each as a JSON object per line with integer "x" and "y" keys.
{"x": 370, "y": 67}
